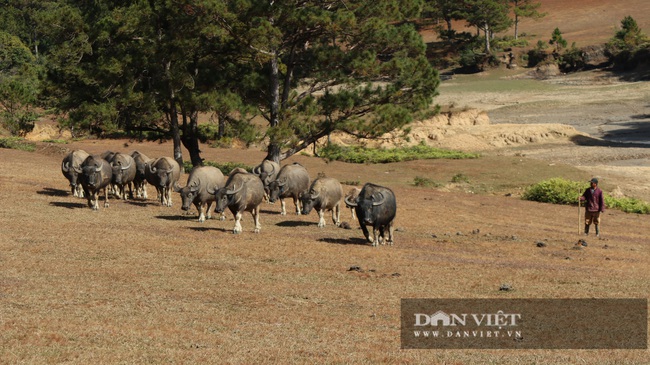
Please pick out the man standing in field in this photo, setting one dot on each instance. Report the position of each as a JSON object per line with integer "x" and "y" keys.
{"x": 594, "y": 205}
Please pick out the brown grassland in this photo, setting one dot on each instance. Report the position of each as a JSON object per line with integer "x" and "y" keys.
{"x": 138, "y": 283}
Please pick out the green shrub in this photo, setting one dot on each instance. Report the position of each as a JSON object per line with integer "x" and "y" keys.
{"x": 334, "y": 152}
{"x": 628, "y": 205}
{"x": 426, "y": 182}
{"x": 561, "y": 191}
{"x": 556, "y": 191}
{"x": 17, "y": 143}
{"x": 460, "y": 178}
{"x": 225, "y": 167}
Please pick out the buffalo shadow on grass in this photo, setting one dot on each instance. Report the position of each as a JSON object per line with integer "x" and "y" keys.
{"x": 142, "y": 203}
{"x": 342, "y": 241}
{"x": 68, "y": 205}
{"x": 210, "y": 229}
{"x": 53, "y": 192}
{"x": 184, "y": 217}
{"x": 295, "y": 224}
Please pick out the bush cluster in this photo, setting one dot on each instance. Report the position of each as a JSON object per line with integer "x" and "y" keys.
{"x": 17, "y": 143}
{"x": 561, "y": 191}
{"x": 357, "y": 154}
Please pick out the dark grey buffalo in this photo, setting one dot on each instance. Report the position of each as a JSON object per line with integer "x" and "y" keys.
{"x": 71, "y": 168}
{"x": 96, "y": 176}
{"x": 267, "y": 171}
{"x": 140, "y": 179}
{"x": 163, "y": 173}
{"x": 292, "y": 181}
{"x": 124, "y": 170}
{"x": 352, "y": 195}
{"x": 375, "y": 206}
{"x": 324, "y": 194}
{"x": 243, "y": 192}
{"x": 108, "y": 155}
{"x": 199, "y": 190}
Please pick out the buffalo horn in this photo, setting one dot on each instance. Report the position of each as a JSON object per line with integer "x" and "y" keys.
{"x": 65, "y": 166}
{"x": 314, "y": 194}
{"x": 151, "y": 168}
{"x": 257, "y": 170}
{"x": 127, "y": 166}
{"x": 283, "y": 182}
{"x": 350, "y": 203}
{"x": 230, "y": 192}
{"x": 99, "y": 168}
{"x": 381, "y": 201}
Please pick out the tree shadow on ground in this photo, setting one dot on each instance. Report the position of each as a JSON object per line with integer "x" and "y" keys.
{"x": 349, "y": 241}
{"x": 53, "y": 192}
{"x": 599, "y": 142}
{"x": 295, "y": 224}
{"x": 68, "y": 205}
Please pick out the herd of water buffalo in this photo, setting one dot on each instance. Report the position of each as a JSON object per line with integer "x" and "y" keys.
{"x": 241, "y": 191}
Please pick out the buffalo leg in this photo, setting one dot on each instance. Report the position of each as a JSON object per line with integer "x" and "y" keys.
{"x": 237, "y": 228}
{"x": 375, "y": 232}
{"x": 365, "y": 232}
{"x": 256, "y": 219}
{"x": 283, "y": 207}
{"x": 201, "y": 208}
{"x": 336, "y": 214}
{"x": 298, "y": 204}
{"x": 321, "y": 218}
{"x": 105, "y": 198}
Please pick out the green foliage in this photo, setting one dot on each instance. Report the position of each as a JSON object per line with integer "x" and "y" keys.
{"x": 19, "y": 86}
{"x": 629, "y": 47}
{"x": 56, "y": 141}
{"x": 426, "y": 182}
{"x": 460, "y": 178}
{"x": 627, "y": 205}
{"x": 334, "y": 152}
{"x": 17, "y": 143}
{"x": 557, "y": 40}
{"x": 508, "y": 42}
{"x": 556, "y": 191}
{"x": 573, "y": 59}
{"x": 561, "y": 191}
{"x": 225, "y": 167}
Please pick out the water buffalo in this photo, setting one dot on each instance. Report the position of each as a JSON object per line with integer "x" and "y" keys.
{"x": 124, "y": 170}
{"x": 140, "y": 179}
{"x": 199, "y": 190}
{"x": 267, "y": 171}
{"x": 96, "y": 175}
{"x": 71, "y": 168}
{"x": 352, "y": 195}
{"x": 243, "y": 192}
{"x": 292, "y": 181}
{"x": 163, "y": 173}
{"x": 324, "y": 194}
{"x": 375, "y": 206}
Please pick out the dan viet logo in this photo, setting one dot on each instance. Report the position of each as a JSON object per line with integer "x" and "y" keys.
{"x": 483, "y": 325}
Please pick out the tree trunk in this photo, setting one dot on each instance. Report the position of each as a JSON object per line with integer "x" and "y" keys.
{"x": 176, "y": 134}
{"x": 487, "y": 38}
{"x": 221, "y": 120}
{"x": 516, "y": 26}
{"x": 273, "y": 153}
{"x": 190, "y": 137}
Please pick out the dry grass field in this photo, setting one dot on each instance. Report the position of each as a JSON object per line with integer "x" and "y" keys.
{"x": 138, "y": 283}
